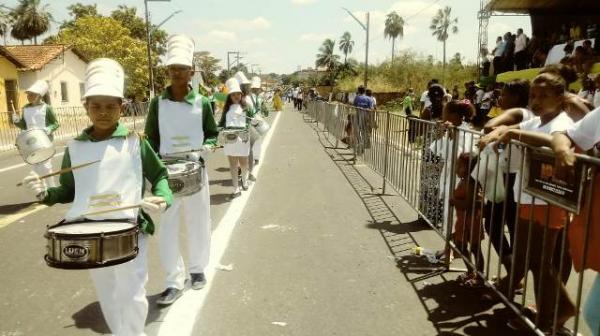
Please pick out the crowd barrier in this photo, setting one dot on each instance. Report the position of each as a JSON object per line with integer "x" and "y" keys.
{"x": 483, "y": 217}
{"x": 72, "y": 121}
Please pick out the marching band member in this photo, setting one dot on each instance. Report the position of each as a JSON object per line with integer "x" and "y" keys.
{"x": 38, "y": 114}
{"x": 126, "y": 159}
{"x": 259, "y": 106}
{"x": 181, "y": 120}
{"x": 236, "y": 114}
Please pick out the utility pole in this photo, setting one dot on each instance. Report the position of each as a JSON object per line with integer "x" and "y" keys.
{"x": 150, "y": 72}
{"x": 366, "y": 27}
{"x": 237, "y": 59}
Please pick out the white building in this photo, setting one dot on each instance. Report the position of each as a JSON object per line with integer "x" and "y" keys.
{"x": 62, "y": 66}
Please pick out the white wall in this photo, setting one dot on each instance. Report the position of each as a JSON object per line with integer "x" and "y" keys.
{"x": 69, "y": 69}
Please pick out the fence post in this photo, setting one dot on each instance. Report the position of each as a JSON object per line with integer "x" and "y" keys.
{"x": 387, "y": 150}
{"x": 450, "y": 160}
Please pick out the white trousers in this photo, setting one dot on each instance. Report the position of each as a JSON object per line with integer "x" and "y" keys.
{"x": 194, "y": 210}
{"x": 122, "y": 293}
{"x": 257, "y": 149}
{"x": 45, "y": 168}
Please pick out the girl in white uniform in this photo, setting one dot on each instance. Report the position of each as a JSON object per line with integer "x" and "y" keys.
{"x": 38, "y": 114}
{"x": 236, "y": 114}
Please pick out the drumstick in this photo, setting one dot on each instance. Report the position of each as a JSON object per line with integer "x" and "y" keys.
{"x": 128, "y": 207}
{"x": 65, "y": 170}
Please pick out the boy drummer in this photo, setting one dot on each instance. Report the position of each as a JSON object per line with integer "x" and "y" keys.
{"x": 181, "y": 120}
{"x": 38, "y": 114}
{"x": 126, "y": 159}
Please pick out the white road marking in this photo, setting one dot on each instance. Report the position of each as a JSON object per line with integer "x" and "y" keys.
{"x": 2, "y": 170}
{"x": 9, "y": 219}
{"x": 181, "y": 317}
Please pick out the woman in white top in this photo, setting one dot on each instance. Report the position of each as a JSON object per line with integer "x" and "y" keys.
{"x": 236, "y": 114}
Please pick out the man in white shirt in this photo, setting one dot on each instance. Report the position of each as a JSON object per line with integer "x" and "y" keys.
{"x": 521, "y": 50}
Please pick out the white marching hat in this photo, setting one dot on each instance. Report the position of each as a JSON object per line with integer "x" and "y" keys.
{"x": 233, "y": 86}
{"x": 180, "y": 50}
{"x": 256, "y": 83}
{"x": 241, "y": 78}
{"x": 104, "y": 77}
{"x": 40, "y": 87}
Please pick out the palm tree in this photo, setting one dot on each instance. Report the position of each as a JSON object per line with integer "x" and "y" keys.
{"x": 346, "y": 45}
{"x": 441, "y": 24}
{"x": 394, "y": 28}
{"x": 327, "y": 58}
{"x": 31, "y": 20}
{"x": 6, "y": 20}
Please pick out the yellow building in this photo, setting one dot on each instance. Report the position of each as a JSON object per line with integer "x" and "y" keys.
{"x": 9, "y": 81}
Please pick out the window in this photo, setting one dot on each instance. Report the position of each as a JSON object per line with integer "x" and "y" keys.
{"x": 64, "y": 94}
{"x": 81, "y": 90}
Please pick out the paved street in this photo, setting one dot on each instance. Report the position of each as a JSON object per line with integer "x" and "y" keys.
{"x": 311, "y": 249}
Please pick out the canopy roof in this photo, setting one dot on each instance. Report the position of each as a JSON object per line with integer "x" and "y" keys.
{"x": 556, "y": 6}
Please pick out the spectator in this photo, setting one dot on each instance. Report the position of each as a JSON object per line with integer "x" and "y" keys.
{"x": 543, "y": 221}
{"x": 470, "y": 91}
{"x": 455, "y": 94}
{"x": 468, "y": 233}
{"x": 509, "y": 52}
{"x": 575, "y": 106}
{"x": 425, "y": 101}
{"x": 431, "y": 204}
{"x": 369, "y": 94}
{"x": 407, "y": 103}
{"x": 588, "y": 90}
{"x": 587, "y": 48}
{"x": 521, "y": 50}
{"x": 485, "y": 65}
{"x": 361, "y": 100}
{"x": 498, "y": 54}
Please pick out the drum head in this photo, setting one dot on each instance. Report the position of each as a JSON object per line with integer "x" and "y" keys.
{"x": 181, "y": 166}
{"x": 91, "y": 228}
{"x": 40, "y": 155}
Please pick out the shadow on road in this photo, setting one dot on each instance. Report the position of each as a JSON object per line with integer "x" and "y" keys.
{"x": 452, "y": 309}
{"x": 10, "y": 209}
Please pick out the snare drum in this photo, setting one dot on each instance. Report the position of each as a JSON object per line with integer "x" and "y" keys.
{"x": 230, "y": 136}
{"x": 261, "y": 126}
{"x": 35, "y": 146}
{"x": 91, "y": 244}
{"x": 185, "y": 177}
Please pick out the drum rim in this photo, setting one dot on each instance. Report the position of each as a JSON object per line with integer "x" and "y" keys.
{"x": 135, "y": 228}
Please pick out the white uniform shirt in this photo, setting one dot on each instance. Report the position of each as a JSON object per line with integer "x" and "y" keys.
{"x": 560, "y": 123}
{"x": 520, "y": 43}
{"x": 425, "y": 99}
{"x": 586, "y": 132}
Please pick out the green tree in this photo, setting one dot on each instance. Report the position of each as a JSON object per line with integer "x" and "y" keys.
{"x": 394, "y": 28}
{"x": 346, "y": 45}
{"x": 128, "y": 18}
{"x": 31, "y": 20}
{"x": 456, "y": 60}
{"x": 441, "y": 26}
{"x": 105, "y": 37}
{"x": 78, "y": 10}
{"x": 209, "y": 66}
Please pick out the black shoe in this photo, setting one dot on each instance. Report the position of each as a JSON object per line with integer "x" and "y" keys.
{"x": 169, "y": 296}
{"x": 198, "y": 280}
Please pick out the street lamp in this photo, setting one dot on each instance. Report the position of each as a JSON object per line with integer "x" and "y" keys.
{"x": 149, "y": 41}
{"x": 364, "y": 26}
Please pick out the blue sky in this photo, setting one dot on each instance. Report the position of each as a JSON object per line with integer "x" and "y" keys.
{"x": 282, "y": 35}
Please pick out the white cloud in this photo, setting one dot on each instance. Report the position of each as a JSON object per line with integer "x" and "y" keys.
{"x": 238, "y": 25}
{"x": 314, "y": 37}
{"x": 303, "y": 2}
{"x": 221, "y": 35}
{"x": 254, "y": 41}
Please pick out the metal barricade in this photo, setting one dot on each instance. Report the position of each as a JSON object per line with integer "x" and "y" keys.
{"x": 484, "y": 215}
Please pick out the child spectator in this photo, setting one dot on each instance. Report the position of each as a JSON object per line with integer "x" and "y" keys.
{"x": 585, "y": 135}
{"x": 544, "y": 222}
{"x": 468, "y": 234}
